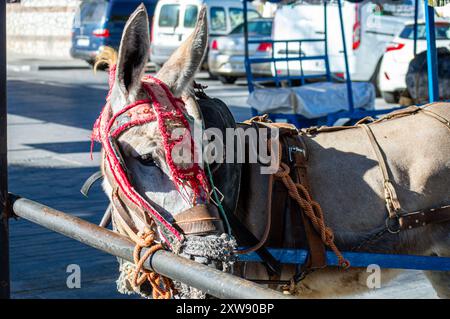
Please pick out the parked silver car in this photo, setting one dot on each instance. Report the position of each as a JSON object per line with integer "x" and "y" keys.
{"x": 227, "y": 53}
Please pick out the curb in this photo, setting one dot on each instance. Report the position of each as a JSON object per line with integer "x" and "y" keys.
{"x": 15, "y": 67}
{"x": 37, "y": 67}
{"x": 18, "y": 68}
{"x": 62, "y": 67}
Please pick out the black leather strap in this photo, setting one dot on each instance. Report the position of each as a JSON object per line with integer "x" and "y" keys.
{"x": 89, "y": 182}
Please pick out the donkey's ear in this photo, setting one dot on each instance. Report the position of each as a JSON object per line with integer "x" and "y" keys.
{"x": 133, "y": 52}
{"x": 180, "y": 69}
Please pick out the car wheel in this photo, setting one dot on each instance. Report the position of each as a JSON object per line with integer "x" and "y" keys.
{"x": 390, "y": 97}
{"x": 227, "y": 79}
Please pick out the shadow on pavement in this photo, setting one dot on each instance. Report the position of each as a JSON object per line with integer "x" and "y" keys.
{"x": 74, "y": 105}
{"x": 39, "y": 257}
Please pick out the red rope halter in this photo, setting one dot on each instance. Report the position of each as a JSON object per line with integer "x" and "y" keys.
{"x": 170, "y": 114}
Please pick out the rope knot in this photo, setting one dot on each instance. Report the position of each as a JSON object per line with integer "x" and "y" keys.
{"x": 161, "y": 286}
{"x": 283, "y": 171}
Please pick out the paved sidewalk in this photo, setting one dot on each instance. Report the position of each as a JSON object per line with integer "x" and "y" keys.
{"x": 25, "y": 63}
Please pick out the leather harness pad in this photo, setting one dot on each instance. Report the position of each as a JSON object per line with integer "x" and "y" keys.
{"x": 199, "y": 220}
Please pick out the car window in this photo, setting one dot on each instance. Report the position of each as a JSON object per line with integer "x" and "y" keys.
{"x": 237, "y": 16}
{"x": 262, "y": 28}
{"x": 92, "y": 11}
{"x": 190, "y": 16}
{"x": 121, "y": 11}
{"x": 442, "y": 32}
{"x": 218, "y": 19}
{"x": 169, "y": 15}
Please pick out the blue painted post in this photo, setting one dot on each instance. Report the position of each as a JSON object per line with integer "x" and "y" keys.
{"x": 248, "y": 69}
{"x": 416, "y": 15}
{"x": 433, "y": 85}
{"x": 325, "y": 26}
{"x": 347, "y": 69}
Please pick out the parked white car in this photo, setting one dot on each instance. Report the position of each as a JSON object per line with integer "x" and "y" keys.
{"x": 226, "y": 57}
{"x": 399, "y": 54}
{"x": 368, "y": 28}
{"x": 174, "y": 21}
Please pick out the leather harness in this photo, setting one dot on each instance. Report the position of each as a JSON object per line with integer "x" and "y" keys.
{"x": 295, "y": 153}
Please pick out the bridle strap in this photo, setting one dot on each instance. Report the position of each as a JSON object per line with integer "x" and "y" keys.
{"x": 424, "y": 217}
{"x": 392, "y": 203}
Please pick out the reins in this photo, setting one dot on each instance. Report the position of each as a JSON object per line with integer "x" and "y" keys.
{"x": 299, "y": 191}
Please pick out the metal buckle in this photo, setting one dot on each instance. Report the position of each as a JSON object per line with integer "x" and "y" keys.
{"x": 389, "y": 225}
{"x": 293, "y": 149}
{"x": 221, "y": 198}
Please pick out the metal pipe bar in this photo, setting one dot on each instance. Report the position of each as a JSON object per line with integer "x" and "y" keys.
{"x": 292, "y": 77}
{"x": 433, "y": 85}
{"x": 248, "y": 66}
{"x": 299, "y": 58}
{"x": 347, "y": 67}
{"x": 4, "y": 212}
{"x": 416, "y": 17}
{"x": 283, "y": 41}
{"x": 212, "y": 281}
{"x": 325, "y": 30}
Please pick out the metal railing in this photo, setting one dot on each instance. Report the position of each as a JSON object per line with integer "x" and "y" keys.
{"x": 207, "y": 279}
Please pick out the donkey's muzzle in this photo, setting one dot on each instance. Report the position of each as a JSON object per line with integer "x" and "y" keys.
{"x": 199, "y": 220}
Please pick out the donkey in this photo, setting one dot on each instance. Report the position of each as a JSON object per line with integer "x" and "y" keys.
{"x": 343, "y": 170}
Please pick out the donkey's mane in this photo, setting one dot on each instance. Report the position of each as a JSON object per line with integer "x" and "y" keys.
{"x": 108, "y": 56}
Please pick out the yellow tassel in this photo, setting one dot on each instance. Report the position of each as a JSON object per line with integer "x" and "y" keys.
{"x": 107, "y": 56}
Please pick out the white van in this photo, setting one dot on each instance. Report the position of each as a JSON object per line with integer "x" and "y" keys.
{"x": 174, "y": 21}
{"x": 368, "y": 28}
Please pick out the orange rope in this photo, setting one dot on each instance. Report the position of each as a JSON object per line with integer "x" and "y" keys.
{"x": 312, "y": 210}
{"x": 161, "y": 286}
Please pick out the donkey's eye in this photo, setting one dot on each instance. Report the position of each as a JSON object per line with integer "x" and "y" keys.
{"x": 147, "y": 160}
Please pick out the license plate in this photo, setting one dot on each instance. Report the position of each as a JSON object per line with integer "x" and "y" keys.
{"x": 84, "y": 42}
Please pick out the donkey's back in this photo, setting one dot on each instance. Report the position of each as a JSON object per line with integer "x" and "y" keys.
{"x": 346, "y": 177}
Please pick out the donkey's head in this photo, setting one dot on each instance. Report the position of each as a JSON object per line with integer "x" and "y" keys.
{"x": 143, "y": 147}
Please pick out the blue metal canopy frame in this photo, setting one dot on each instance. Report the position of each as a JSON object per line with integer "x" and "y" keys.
{"x": 362, "y": 259}
{"x": 433, "y": 85}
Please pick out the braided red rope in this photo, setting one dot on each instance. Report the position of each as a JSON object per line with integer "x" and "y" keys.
{"x": 170, "y": 113}
{"x": 194, "y": 176}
